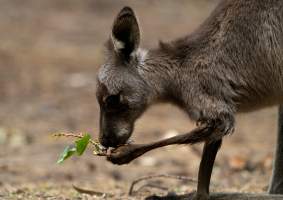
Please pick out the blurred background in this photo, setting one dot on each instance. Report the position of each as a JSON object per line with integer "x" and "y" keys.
{"x": 50, "y": 52}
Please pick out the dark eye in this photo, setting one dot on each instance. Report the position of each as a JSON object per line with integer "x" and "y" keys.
{"x": 113, "y": 102}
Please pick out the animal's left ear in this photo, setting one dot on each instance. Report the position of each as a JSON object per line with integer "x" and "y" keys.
{"x": 125, "y": 35}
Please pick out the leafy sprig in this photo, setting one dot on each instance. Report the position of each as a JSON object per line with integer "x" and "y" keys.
{"x": 79, "y": 146}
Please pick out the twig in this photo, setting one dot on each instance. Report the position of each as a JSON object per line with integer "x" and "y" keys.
{"x": 131, "y": 190}
{"x": 91, "y": 192}
{"x": 151, "y": 185}
{"x": 79, "y": 135}
{"x": 99, "y": 148}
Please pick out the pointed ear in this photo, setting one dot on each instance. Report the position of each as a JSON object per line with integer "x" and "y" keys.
{"x": 125, "y": 35}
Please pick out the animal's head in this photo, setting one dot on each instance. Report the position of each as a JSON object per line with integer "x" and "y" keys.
{"x": 122, "y": 93}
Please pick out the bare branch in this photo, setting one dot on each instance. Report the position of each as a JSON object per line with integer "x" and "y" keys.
{"x": 91, "y": 192}
{"x": 131, "y": 190}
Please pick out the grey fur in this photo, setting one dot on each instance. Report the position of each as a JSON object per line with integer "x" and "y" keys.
{"x": 232, "y": 63}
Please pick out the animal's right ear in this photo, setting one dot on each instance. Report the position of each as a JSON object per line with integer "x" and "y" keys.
{"x": 125, "y": 35}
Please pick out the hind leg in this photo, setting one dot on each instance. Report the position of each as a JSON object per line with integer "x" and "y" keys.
{"x": 206, "y": 165}
{"x": 276, "y": 185}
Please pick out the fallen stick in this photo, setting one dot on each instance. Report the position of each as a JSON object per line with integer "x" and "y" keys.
{"x": 91, "y": 192}
{"x": 184, "y": 178}
{"x": 222, "y": 196}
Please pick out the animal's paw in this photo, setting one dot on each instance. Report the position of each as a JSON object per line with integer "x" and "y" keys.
{"x": 120, "y": 156}
{"x": 124, "y": 154}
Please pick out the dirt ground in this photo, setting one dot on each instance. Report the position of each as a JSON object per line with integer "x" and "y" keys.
{"x": 49, "y": 55}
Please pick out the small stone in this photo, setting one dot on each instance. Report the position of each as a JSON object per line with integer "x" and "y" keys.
{"x": 237, "y": 163}
{"x": 17, "y": 139}
{"x": 148, "y": 161}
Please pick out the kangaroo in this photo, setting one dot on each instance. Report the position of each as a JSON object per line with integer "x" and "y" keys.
{"x": 232, "y": 63}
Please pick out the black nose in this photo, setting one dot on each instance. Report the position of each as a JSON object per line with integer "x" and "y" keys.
{"x": 109, "y": 141}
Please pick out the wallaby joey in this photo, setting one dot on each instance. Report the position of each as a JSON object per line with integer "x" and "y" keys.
{"x": 232, "y": 63}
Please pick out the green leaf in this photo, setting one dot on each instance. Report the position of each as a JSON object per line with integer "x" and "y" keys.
{"x": 82, "y": 143}
{"x": 68, "y": 152}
